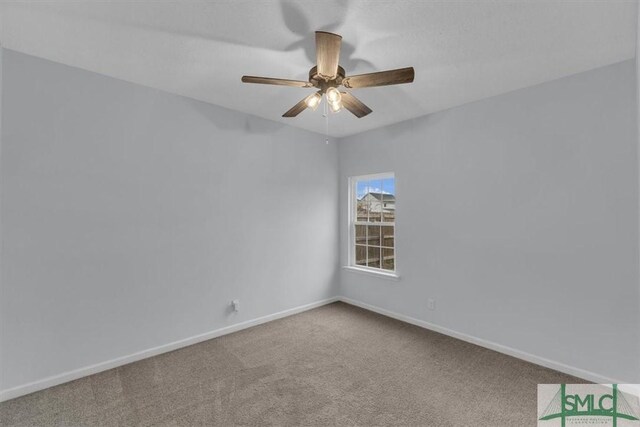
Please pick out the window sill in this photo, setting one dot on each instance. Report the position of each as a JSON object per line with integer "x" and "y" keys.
{"x": 380, "y": 274}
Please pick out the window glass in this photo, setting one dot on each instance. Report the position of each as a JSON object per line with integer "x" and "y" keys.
{"x": 373, "y": 222}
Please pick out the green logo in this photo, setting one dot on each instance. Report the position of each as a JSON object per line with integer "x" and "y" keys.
{"x": 612, "y": 404}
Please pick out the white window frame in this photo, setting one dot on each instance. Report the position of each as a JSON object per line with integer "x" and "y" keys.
{"x": 352, "y": 194}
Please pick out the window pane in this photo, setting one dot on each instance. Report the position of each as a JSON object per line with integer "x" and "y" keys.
{"x": 362, "y": 209}
{"x": 388, "y": 259}
{"x": 362, "y": 187}
{"x": 374, "y": 257}
{"x": 387, "y": 236}
{"x": 389, "y": 199}
{"x": 361, "y": 234}
{"x": 362, "y": 202}
{"x": 374, "y": 194}
{"x": 361, "y": 255}
{"x": 373, "y": 235}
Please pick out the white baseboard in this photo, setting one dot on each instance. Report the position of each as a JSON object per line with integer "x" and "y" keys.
{"x": 34, "y": 386}
{"x": 114, "y": 363}
{"x": 538, "y": 360}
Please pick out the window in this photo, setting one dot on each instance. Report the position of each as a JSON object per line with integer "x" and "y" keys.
{"x": 372, "y": 220}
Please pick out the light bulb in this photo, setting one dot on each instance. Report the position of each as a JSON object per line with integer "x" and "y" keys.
{"x": 333, "y": 95}
{"x": 313, "y": 100}
{"x": 336, "y": 106}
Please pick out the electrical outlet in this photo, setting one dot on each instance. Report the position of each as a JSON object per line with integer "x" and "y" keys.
{"x": 235, "y": 304}
{"x": 431, "y": 304}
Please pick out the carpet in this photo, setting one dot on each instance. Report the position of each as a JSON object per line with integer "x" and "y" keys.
{"x": 336, "y": 365}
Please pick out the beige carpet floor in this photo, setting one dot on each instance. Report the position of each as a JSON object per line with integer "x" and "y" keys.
{"x": 335, "y": 365}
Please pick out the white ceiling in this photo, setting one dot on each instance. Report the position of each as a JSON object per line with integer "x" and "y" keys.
{"x": 462, "y": 51}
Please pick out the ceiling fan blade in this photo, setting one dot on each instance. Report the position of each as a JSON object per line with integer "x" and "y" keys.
{"x": 354, "y": 105}
{"x": 300, "y": 106}
{"x": 382, "y": 78}
{"x": 327, "y": 54}
{"x": 272, "y": 81}
{"x": 296, "y": 109}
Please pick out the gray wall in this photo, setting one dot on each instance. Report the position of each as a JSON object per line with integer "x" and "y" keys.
{"x": 518, "y": 214}
{"x": 131, "y": 217}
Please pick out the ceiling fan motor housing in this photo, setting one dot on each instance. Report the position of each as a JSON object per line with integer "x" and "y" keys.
{"x": 316, "y": 80}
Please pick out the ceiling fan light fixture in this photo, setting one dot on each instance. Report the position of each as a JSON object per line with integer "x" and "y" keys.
{"x": 333, "y": 95}
{"x": 336, "y": 107}
{"x": 313, "y": 100}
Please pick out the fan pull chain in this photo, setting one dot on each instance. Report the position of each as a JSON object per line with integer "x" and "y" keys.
{"x": 326, "y": 121}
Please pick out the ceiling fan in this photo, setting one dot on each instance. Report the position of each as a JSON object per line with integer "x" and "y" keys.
{"x": 328, "y": 75}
